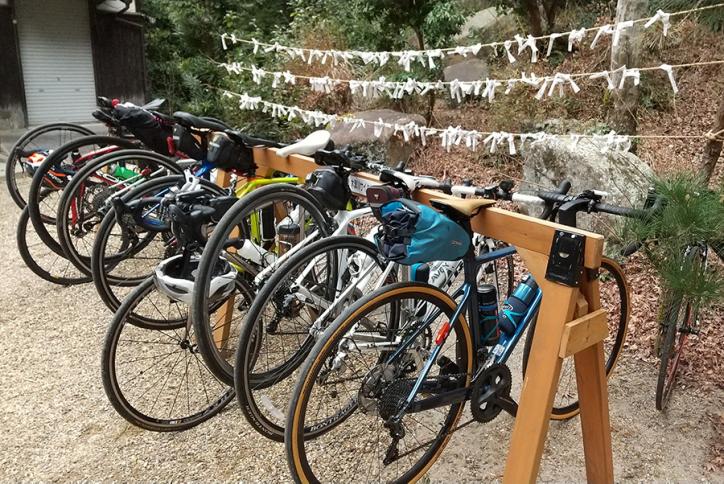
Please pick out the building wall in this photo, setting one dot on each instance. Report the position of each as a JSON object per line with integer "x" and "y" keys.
{"x": 12, "y": 92}
{"x": 119, "y": 56}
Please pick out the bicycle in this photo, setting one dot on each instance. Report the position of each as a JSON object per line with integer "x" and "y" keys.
{"x": 113, "y": 273}
{"x": 295, "y": 305}
{"x": 399, "y": 363}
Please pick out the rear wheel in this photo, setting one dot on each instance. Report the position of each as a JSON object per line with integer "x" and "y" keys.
{"x": 33, "y": 147}
{"x": 340, "y": 427}
{"x": 251, "y": 237}
{"x": 302, "y": 297}
{"x": 45, "y": 263}
{"x": 54, "y": 174}
{"x": 615, "y": 300}
{"x": 88, "y": 197}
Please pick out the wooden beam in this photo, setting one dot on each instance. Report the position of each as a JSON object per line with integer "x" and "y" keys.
{"x": 516, "y": 229}
{"x": 592, "y": 383}
{"x": 583, "y": 332}
{"x": 542, "y": 374}
{"x": 222, "y": 328}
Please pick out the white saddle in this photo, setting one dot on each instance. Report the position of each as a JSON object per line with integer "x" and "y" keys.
{"x": 307, "y": 146}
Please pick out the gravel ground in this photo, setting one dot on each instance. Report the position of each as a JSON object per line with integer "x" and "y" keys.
{"x": 56, "y": 424}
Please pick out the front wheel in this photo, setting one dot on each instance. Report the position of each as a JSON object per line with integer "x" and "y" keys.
{"x": 615, "y": 299}
{"x": 358, "y": 375}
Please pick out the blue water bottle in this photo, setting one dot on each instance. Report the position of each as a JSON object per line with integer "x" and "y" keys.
{"x": 516, "y": 306}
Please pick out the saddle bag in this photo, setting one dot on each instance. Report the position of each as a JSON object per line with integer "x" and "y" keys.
{"x": 329, "y": 187}
{"x": 226, "y": 154}
{"x": 411, "y": 232}
{"x": 145, "y": 127}
{"x": 185, "y": 142}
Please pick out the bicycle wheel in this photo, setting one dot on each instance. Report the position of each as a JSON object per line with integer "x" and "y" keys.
{"x": 55, "y": 172}
{"x": 155, "y": 378}
{"x": 45, "y": 263}
{"x": 125, "y": 254}
{"x": 298, "y": 302}
{"x": 30, "y": 150}
{"x": 252, "y": 236}
{"x": 680, "y": 317}
{"x": 357, "y": 376}
{"x": 87, "y": 197}
{"x": 615, "y": 299}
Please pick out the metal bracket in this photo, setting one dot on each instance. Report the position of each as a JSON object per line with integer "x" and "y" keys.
{"x": 565, "y": 262}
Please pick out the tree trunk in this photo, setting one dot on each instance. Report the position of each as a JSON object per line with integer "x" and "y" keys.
{"x": 713, "y": 147}
{"x": 533, "y": 14}
{"x": 626, "y": 53}
{"x": 430, "y": 95}
{"x": 551, "y": 8}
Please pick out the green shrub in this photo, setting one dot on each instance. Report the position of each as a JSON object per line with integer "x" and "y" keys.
{"x": 691, "y": 214}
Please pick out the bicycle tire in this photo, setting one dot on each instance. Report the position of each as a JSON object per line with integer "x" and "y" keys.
{"x": 298, "y": 434}
{"x": 38, "y": 218}
{"x": 15, "y": 152}
{"x": 69, "y": 198}
{"x": 674, "y": 340}
{"x": 106, "y": 284}
{"x": 44, "y": 271}
{"x": 119, "y": 396}
{"x": 246, "y": 380}
{"x": 612, "y": 267}
{"x": 260, "y": 197}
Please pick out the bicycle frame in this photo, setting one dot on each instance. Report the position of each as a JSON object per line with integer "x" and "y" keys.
{"x": 469, "y": 301}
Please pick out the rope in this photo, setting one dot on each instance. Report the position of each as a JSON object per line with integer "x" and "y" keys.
{"x": 453, "y": 49}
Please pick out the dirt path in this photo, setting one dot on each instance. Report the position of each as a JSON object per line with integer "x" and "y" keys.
{"x": 56, "y": 424}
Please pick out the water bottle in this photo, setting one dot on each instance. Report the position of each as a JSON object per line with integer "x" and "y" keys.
{"x": 488, "y": 314}
{"x": 289, "y": 235}
{"x": 517, "y": 305}
{"x": 439, "y": 274}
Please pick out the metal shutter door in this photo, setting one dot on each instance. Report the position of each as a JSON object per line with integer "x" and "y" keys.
{"x": 57, "y": 60}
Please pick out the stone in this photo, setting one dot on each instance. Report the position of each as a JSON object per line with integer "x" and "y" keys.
{"x": 486, "y": 19}
{"x": 390, "y": 147}
{"x": 623, "y": 175}
{"x": 466, "y": 70}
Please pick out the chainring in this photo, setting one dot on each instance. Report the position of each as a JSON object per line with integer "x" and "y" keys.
{"x": 495, "y": 381}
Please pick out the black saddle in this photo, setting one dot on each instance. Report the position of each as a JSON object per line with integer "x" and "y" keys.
{"x": 190, "y": 121}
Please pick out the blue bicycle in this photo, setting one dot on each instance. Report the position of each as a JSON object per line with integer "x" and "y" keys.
{"x": 385, "y": 387}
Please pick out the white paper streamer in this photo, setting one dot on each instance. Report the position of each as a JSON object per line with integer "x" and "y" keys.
{"x": 620, "y": 27}
{"x": 575, "y": 36}
{"x": 603, "y": 30}
{"x": 662, "y": 16}
{"x": 670, "y": 73}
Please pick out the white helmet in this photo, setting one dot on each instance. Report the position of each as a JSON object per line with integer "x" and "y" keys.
{"x": 178, "y": 284}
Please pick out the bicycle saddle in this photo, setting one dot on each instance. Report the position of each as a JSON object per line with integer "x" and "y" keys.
{"x": 462, "y": 207}
{"x": 190, "y": 121}
{"x": 308, "y": 146}
{"x": 249, "y": 141}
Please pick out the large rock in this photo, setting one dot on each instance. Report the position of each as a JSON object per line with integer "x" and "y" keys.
{"x": 392, "y": 148}
{"x": 624, "y": 176}
{"x": 487, "y": 19}
{"x": 466, "y": 70}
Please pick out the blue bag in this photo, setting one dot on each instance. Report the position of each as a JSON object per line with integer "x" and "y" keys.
{"x": 412, "y": 232}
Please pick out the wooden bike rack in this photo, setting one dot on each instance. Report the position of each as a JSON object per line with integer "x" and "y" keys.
{"x": 570, "y": 323}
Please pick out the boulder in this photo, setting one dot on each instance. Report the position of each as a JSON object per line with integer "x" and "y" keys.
{"x": 623, "y": 175}
{"x": 388, "y": 146}
{"x": 466, "y": 70}
{"x": 487, "y": 19}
